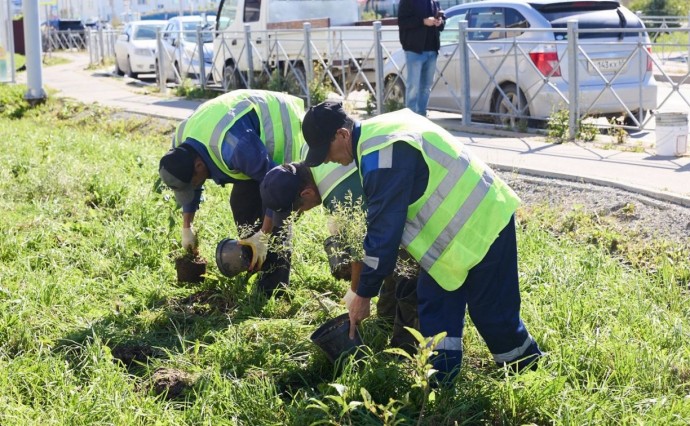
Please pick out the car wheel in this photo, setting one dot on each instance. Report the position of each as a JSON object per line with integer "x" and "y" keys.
{"x": 512, "y": 109}
{"x": 232, "y": 79}
{"x": 295, "y": 79}
{"x": 628, "y": 120}
{"x": 393, "y": 94}
{"x": 178, "y": 74}
{"x": 118, "y": 71}
{"x": 130, "y": 73}
{"x": 159, "y": 77}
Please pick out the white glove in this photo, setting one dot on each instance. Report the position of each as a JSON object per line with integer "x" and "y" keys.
{"x": 259, "y": 245}
{"x": 189, "y": 241}
{"x": 349, "y": 296}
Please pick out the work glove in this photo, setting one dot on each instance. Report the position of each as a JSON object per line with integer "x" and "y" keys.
{"x": 189, "y": 240}
{"x": 349, "y": 296}
{"x": 259, "y": 245}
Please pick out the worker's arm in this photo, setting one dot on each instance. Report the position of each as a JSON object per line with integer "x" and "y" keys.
{"x": 189, "y": 238}
{"x": 393, "y": 178}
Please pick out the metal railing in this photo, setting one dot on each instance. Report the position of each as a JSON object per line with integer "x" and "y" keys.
{"x": 53, "y": 40}
{"x": 100, "y": 44}
{"x": 303, "y": 60}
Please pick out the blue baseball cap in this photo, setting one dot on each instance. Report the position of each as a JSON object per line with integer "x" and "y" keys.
{"x": 280, "y": 187}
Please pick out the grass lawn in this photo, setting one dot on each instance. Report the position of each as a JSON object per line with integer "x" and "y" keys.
{"x": 95, "y": 329}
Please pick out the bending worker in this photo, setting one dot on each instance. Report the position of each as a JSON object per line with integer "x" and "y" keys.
{"x": 297, "y": 187}
{"x": 236, "y": 139}
{"x": 427, "y": 192}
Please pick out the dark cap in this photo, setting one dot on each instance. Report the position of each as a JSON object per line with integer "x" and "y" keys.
{"x": 280, "y": 188}
{"x": 176, "y": 169}
{"x": 318, "y": 128}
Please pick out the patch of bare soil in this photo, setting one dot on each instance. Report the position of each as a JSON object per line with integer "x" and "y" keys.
{"x": 170, "y": 382}
{"x": 202, "y": 303}
{"x": 629, "y": 211}
{"x": 130, "y": 354}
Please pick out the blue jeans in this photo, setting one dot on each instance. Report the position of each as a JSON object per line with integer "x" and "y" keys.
{"x": 420, "y": 77}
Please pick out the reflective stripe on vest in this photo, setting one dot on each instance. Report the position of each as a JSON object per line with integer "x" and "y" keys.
{"x": 274, "y": 109}
{"x": 464, "y": 207}
{"x": 179, "y": 133}
{"x": 328, "y": 176}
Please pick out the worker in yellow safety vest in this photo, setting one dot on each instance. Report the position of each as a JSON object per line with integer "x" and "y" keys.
{"x": 236, "y": 139}
{"x": 428, "y": 193}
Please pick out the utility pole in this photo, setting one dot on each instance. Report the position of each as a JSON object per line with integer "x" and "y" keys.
{"x": 34, "y": 70}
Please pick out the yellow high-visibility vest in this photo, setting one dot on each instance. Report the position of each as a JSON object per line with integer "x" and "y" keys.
{"x": 451, "y": 227}
{"x": 279, "y": 118}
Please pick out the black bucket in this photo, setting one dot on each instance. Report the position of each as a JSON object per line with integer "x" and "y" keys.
{"x": 232, "y": 258}
{"x": 333, "y": 337}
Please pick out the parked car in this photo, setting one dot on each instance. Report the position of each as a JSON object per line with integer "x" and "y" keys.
{"x": 530, "y": 79}
{"x": 135, "y": 48}
{"x": 181, "y": 54}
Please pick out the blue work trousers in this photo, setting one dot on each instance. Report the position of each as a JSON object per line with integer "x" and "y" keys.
{"x": 492, "y": 297}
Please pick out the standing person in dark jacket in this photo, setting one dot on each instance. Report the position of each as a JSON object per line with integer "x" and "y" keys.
{"x": 428, "y": 193}
{"x": 236, "y": 139}
{"x": 420, "y": 23}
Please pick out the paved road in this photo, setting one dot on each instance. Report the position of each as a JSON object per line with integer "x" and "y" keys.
{"x": 666, "y": 178}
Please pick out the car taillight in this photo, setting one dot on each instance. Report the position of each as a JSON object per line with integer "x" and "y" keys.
{"x": 546, "y": 62}
{"x": 649, "y": 59}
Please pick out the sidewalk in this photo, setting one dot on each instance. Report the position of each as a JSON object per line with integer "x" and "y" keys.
{"x": 663, "y": 178}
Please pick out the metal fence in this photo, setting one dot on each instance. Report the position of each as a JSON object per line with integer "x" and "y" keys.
{"x": 53, "y": 39}
{"x": 361, "y": 73}
{"x": 100, "y": 44}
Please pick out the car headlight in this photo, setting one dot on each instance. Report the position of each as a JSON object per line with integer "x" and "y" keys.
{"x": 143, "y": 52}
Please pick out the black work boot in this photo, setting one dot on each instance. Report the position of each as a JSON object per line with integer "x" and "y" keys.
{"x": 386, "y": 305}
{"x": 275, "y": 275}
{"x": 405, "y": 315}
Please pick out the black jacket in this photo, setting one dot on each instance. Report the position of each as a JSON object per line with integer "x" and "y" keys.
{"x": 414, "y": 35}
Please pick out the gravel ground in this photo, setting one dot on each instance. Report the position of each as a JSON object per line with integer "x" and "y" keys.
{"x": 631, "y": 211}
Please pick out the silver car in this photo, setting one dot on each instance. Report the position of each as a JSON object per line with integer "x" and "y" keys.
{"x": 181, "y": 58}
{"x": 518, "y": 62}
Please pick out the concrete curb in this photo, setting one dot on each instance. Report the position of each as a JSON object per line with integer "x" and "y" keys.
{"x": 651, "y": 193}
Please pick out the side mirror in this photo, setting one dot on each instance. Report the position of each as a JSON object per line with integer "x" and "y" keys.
{"x": 123, "y": 37}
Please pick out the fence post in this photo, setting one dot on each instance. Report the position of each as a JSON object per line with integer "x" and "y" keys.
{"x": 160, "y": 69}
{"x": 91, "y": 47}
{"x": 202, "y": 60}
{"x": 101, "y": 43}
{"x": 250, "y": 58}
{"x": 687, "y": 25}
{"x": 378, "y": 56}
{"x": 308, "y": 68}
{"x": 573, "y": 104}
{"x": 465, "y": 107}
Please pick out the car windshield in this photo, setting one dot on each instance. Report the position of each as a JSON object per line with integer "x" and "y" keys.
{"x": 590, "y": 15}
{"x": 146, "y": 32}
{"x": 189, "y": 29}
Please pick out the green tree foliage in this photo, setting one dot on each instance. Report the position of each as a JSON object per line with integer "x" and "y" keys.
{"x": 661, "y": 7}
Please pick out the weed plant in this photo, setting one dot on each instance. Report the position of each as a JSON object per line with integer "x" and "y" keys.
{"x": 94, "y": 328}
{"x": 558, "y": 128}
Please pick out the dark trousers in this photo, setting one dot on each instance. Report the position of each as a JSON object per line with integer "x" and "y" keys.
{"x": 248, "y": 213}
{"x": 491, "y": 295}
